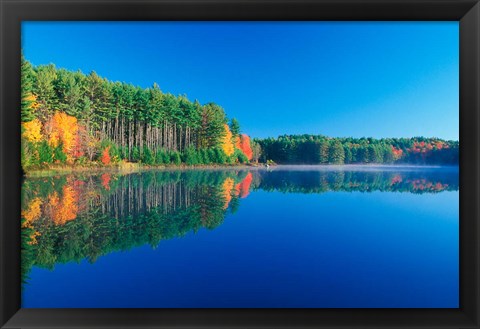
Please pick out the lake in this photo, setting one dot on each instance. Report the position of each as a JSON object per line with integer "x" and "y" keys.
{"x": 283, "y": 237}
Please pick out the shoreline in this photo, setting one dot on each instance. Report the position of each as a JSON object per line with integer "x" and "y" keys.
{"x": 136, "y": 168}
{"x": 124, "y": 169}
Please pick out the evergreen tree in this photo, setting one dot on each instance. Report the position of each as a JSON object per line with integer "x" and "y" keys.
{"x": 27, "y": 101}
{"x": 235, "y": 128}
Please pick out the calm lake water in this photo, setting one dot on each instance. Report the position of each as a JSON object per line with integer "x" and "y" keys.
{"x": 318, "y": 237}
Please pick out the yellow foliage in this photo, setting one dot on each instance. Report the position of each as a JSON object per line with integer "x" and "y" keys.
{"x": 33, "y": 237}
{"x": 33, "y": 212}
{"x": 32, "y": 130}
{"x": 227, "y": 145}
{"x": 64, "y": 209}
{"x": 32, "y": 98}
{"x": 63, "y": 128}
{"x": 30, "y": 215}
{"x": 227, "y": 188}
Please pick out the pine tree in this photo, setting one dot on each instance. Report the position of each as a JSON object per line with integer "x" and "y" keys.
{"x": 28, "y": 99}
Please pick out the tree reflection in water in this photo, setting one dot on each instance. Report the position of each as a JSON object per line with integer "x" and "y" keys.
{"x": 74, "y": 217}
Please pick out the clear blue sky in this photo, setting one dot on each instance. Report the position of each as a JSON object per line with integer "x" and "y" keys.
{"x": 374, "y": 79}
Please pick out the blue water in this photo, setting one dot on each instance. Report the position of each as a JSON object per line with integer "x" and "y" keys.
{"x": 340, "y": 248}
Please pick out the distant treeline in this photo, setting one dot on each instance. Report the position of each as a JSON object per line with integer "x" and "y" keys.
{"x": 75, "y": 118}
{"x": 317, "y": 149}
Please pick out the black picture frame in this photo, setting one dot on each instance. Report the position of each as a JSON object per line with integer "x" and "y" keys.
{"x": 467, "y": 12}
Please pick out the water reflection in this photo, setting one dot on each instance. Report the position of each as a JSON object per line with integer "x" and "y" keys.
{"x": 74, "y": 217}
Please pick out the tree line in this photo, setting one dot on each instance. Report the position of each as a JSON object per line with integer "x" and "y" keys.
{"x": 71, "y": 117}
{"x": 75, "y": 118}
{"x": 318, "y": 149}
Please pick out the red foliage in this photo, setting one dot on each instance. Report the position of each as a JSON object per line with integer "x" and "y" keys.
{"x": 439, "y": 145}
{"x": 106, "y": 156}
{"x": 106, "y": 181}
{"x": 243, "y": 144}
{"x": 78, "y": 143}
{"x": 396, "y": 179}
{"x": 243, "y": 188}
{"x": 397, "y": 153}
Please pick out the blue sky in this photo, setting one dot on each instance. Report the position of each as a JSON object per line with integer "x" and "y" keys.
{"x": 373, "y": 79}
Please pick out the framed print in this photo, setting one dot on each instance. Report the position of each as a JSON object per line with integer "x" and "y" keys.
{"x": 290, "y": 164}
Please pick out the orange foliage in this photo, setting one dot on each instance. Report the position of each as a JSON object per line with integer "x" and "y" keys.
{"x": 33, "y": 211}
{"x": 397, "y": 153}
{"x": 63, "y": 209}
{"x": 31, "y": 214}
{"x": 243, "y": 144}
{"x": 32, "y": 130}
{"x": 243, "y": 188}
{"x": 105, "y": 178}
{"x": 106, "y": 156}
{"x": 227, "y": 191}
{"x": 63, "y": 128}
{"x": 226, "y": 142}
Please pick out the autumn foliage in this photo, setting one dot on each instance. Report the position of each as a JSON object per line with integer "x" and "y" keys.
{"x": 227, "y": 188}
{"x": 105, "y": 180}
{"x": 397, "y": 153}
{"x": 106, "y": 156}
{"x": 226, "y": 143}
{"x": 63, "y": 128}
{"x": 243, "y": 188}
{"x": 243, "y": 144}
{"x": 32, "y": 130}
{"x": 63, "y": 207}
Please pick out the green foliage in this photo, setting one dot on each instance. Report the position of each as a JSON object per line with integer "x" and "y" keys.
{"x": 148, "y": 157}
{"x": 59, "y": 155}
{"x": 336, "y": 153}
{"x": 318, "y": 149}
{"x": 128, "y": 118}
{"x": 82, "y": 160}
{"x": 234, "y": 128}
{"x": 45, "y": 152}
{"x": 175, "y": 158}
{"x": 28, "y": 154}
{"x": 136, "y": 154}
{"x": 212, "y": 128}
{"x": 27, "y": 79}
{"x": 240, "y": 157}
{"x": 219, "y": 156}
{"x": 212, "y": 156}
{"x": 161, "y": 157}
{"x": 190, "y": 157}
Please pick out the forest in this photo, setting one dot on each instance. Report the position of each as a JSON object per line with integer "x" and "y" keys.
{"x": 318, "y": 149}
{"x": 75, "y": 119}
